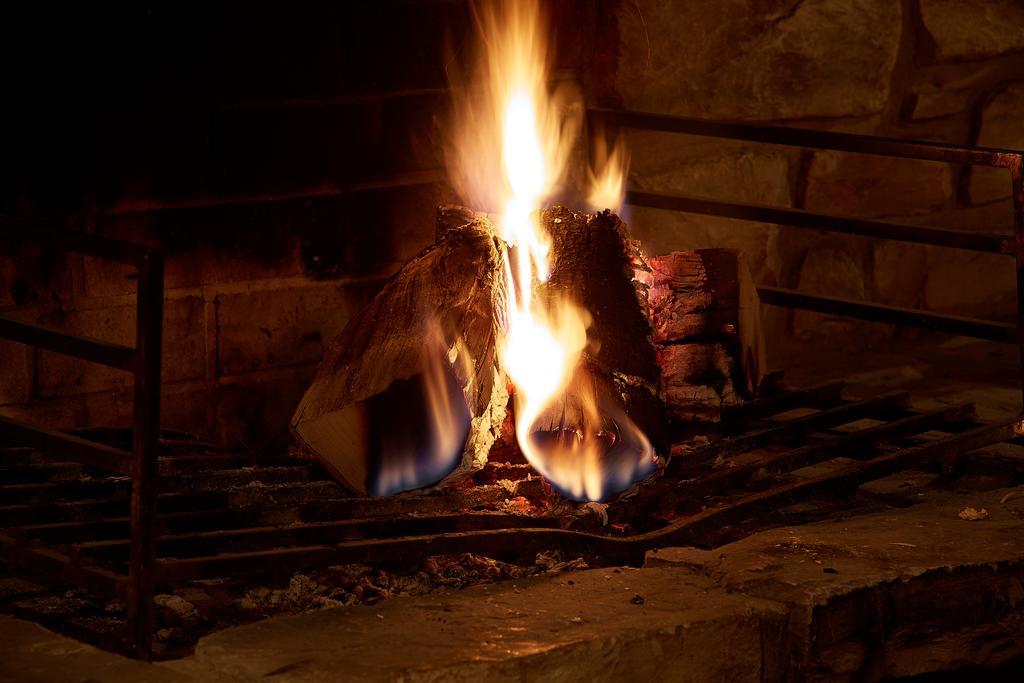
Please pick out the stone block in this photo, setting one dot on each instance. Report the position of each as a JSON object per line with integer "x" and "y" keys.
{"x": 1000, "y": 127}
{"x": 934, "y": 101}
{"x": 781, "y": 59}
{"x": 899, "y": 271}
{"x": 256, "y": 409}
{"x": 15, "y": 372}
{"x": 962, "y": 29}
{"x": 184, "y": 347}
{"x": 31, "y": 275}
{"x": 871, "y": 186}
{"x": 976, "y": 285}
{"x": 586, "y": 626}
{"x": 279, "y": 327}
{"x": 828, "y": 272}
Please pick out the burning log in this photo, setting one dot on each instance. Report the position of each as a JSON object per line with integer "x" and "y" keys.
{"x": 411, "y": 391}
{"x": 707, "y": 326}
{"x": 594, "y": 262}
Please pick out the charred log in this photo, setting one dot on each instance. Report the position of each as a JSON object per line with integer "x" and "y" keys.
{"x": 707, "y": 326}
{"x": 595, "y": 264}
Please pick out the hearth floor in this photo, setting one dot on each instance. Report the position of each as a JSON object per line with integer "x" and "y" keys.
{"x": 890, "y": 594}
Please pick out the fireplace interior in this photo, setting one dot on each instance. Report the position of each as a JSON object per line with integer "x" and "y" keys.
{"x": 272, "y": 398}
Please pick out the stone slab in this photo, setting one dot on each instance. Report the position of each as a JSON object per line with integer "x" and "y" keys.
{"x": 32, "y": 654}
{"x": 886, "y": 595}
{"x": 582, "y": 626}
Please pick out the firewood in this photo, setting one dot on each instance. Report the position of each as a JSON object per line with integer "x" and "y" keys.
{"x": 707, "y": 327}
{"x": 411, "y": 391}
{"x": 594, "y": 263}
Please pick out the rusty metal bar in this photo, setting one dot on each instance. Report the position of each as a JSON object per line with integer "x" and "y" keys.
{"x": 86, "y": 348}
{"x": 146, "y": 444}
{"x": 684, "y": 460}
{"x": 803, "y": 456}
{"x": 53, "y": 563}
{"x": 200, "y": 543}
{"x": 1017, "y": 194}
{"x": 973, "y": 241}
{"x": 83, "y": 450}
{"x": 812, "y": 139}
{"x": 912, "y": 317}
{"x": 689, "y": 529}
{"x": 15, "y": 230}
{"x": 827, "y": 394}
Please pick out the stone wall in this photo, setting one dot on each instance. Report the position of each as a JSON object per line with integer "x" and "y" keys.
{"x": 945, "y": 70}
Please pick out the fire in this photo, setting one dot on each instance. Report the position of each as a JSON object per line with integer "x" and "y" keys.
{"x": 571, "y": 431}
{"x": 607, "y": 175}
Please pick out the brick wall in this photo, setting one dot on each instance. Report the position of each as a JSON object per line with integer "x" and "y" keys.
{"x": 286, "y": 158}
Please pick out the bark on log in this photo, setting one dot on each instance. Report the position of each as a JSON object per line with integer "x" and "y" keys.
{"x": 707, "y": 326}
{"x": 595, "y": 264}
{"x": 411, "y": 387}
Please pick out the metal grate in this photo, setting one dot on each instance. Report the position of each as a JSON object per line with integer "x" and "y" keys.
{"x": 222, "y": 513}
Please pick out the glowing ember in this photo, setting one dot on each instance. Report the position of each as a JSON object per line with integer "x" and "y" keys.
{"x": 571, "y": 430}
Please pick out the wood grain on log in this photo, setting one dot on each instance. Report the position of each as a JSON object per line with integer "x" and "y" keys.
{"x": 416, "y": 371}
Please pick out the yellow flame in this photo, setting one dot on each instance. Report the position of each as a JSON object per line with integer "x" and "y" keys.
{"x": 607, "y": 174}
{"x": 529, "y": 133}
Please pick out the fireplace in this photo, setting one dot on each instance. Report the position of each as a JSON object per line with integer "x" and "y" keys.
{"x": 854, "y": 197}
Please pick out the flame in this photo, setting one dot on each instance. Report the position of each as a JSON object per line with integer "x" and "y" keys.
{"x": 426, "y": 443}
{"x": 511, "y": 154}
{"x": 607, "y": 174}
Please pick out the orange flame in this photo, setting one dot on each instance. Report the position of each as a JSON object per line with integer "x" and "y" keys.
{"x": 607, "y": 174}
{"x": 523, "y": 128}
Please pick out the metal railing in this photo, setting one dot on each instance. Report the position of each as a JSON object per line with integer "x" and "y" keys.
{"x": 985, "y": 242}
{"x": 143, "y": 361}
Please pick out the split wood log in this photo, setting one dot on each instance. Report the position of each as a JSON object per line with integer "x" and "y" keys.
{"x": 411, "y": 391}
{"x": 596, "y": 265}
{"x": 706, "y": 318}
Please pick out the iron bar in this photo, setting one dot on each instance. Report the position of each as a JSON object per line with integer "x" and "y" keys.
{"x": 199, "y": 543}
{"x": 50, "y": 562}
{"x": 94, "y": 350}
{"x": 950, "y": 324}
{"x": 146, "y": 444}
{"x": 973, "y": 241}
{"x": 812, "y": 139}
{"x": 685, "y": 460}
{"x": 1017, "y": 196}
{"x": 689, "y": 529}
{"x": 827, "y": 394}
{"x": 68, "y": 445}
{"x": 23, "y": 231}
{"x": 787, "y": 461}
